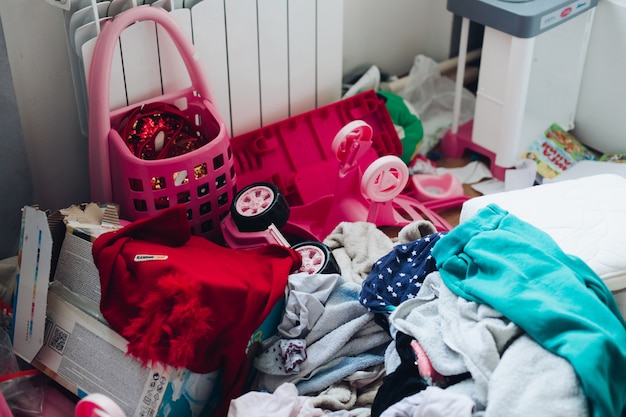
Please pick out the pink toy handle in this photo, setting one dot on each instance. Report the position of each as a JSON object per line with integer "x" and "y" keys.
{"x": 5, "y": 410}
{"x": 98, "y": 405}
{"x": 99, "y": 86}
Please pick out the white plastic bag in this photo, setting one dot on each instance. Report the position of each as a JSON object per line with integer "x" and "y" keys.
{"x": 432, "y": 96}
{"x": 23, "y": 390}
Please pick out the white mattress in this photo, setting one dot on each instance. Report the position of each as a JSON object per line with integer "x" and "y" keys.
{"x": 585, "y": 216}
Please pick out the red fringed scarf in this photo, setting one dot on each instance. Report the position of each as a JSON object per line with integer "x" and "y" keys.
{"x": 185, "y": 301}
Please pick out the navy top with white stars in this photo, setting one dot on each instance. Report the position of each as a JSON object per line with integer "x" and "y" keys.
{"x": 398, "y": 276}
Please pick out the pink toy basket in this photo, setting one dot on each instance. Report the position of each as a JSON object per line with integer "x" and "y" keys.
{"x": 202, "y": 179}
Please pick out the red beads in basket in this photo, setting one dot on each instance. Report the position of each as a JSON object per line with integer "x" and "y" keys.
{"x": 159, "y": 130}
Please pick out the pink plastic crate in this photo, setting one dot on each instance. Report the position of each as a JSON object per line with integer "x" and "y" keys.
{"x": 296, "y": 154}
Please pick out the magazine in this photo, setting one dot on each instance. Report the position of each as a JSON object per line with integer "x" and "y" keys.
{"x": 555, "y": 152}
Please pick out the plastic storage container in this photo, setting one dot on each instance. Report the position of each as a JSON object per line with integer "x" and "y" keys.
{"x": 530, "y": 74}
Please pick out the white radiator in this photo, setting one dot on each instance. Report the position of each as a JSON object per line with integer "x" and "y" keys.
{"x": 266, "y": 60}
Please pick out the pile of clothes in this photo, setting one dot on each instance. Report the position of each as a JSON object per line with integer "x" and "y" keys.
{"x": 489, "y": 319}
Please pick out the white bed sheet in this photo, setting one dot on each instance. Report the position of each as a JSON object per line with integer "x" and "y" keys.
{"x": 585, "y": 216}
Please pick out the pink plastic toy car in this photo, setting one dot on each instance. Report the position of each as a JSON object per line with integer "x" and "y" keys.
{"x": 259, "y": 213}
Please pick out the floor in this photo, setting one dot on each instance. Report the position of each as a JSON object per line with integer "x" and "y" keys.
{"x": 450, "y": 215}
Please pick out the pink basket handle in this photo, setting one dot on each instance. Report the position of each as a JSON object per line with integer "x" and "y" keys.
{"x": 99, "y": 86}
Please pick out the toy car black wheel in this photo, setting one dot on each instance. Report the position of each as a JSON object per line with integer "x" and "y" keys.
{"x": 316, "y": 258}
{"x": 257, "y": 206}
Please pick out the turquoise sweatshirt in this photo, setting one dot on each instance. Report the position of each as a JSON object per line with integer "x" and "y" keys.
{"x": 497, "y": 259}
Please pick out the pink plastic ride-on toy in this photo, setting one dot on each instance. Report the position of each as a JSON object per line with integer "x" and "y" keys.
{"x": 373, "y": 195}
{"x": 260, "y": 214}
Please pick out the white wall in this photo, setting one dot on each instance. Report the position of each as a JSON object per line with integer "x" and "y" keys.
{"x": 388, "y": 34}
{"x": 391, "y": 33}
{"x": 57, "y": 151}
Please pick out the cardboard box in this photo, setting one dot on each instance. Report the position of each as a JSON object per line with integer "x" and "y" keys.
{"x": 75, "y": 268}
{"x": 58, "y": 331}
{"x": 84, "y": 355}
{"x": 34, "y": 263}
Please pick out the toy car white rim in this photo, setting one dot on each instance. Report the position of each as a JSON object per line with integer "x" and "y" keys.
{"x": 254, "y": 201}
{"x": 313, "y": 259}
{"x": 259, "y": 205}
{"x": 317, "y": 258}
